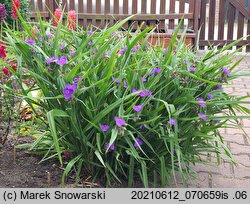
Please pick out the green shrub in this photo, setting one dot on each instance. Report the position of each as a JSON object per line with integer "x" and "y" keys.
{"x": 120, "y": 108}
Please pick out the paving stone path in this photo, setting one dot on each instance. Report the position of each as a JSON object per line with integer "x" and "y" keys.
{"x": 227, "y": 175}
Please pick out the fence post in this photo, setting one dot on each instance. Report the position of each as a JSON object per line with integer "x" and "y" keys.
{"x": 196, "y": 17}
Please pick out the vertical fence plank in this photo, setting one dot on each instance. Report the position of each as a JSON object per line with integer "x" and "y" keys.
{"x": 172, "y": 11}
{"x": 80, "y": 11}
{"x": 65, "y": 5}
{"x": 153, "y": 11}
{"x": 181, "y": 10}
{"x": 202, "y": 24}
{"x": 99, "y": 23}
{"x": 211, "y": 20}
{"x": 191, "y": 10}
{"x": 72, "y": 5}
{"x": 125, "y": 11}
{"x": 240, "y": 26}
{"x": 49, "y": 7}
{"x": 162, "y": 23}
{"x": 248, "y": 28}
{"x": 143, "y": 11}
{"x": 231, "y": 13}
{"x": 89, "y": 11}
{"x": 107, "y": 9}
{"x": 116, "y": 10}
{"x": 134, "y": 11}
{"x": 221, "y": 23}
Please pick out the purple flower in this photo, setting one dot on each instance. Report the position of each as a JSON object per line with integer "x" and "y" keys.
{"x": 119, "y": 122}
{"x": 202, "y": 116}
{"x": 90, "y": 32}
{"x": 172, "y": 122}
{"x": 143, "y": 79}
{"x": 134, "y": 90}
{"x": 62, "y": 60}
{"x": 71, "y": 53}
{"x": 156, "y": 70}
{"x": 116, "y": 80}
{"x": 165, "y": 51}
{"x": 110, "y": 147}
{"x": 217, "y": 121}
{"x": 31, "y": 41}
{"x": 138, "y": 142}
{"x": 125, "y": 84}
{"x": 123, "y": 50}
{"x": 90, "y": 42}
{"x": 50, "y": 60}
{"x": 105, "y": 128}
{"x": 62, "y": 47}
{"x": 141, "y": 127}
{"x": 69, "y": 90}
{"x": 94, "y": 50}
{"x": 184, "y": 61}
{"x": 49, "y": 35}
{"x": 134, "y": 49}
{"x": 137, "y": 108}
{"x": 192, "y": 69}
{"x": 145, "y": 92}
{"x": 40, "y": 39}
{"x": 209, "y": 96}
{"x": 226, "y": 71}
{"x": 202, "y": 102}
{"x": 218, "y": 86}
{"x": 77, "y": 79}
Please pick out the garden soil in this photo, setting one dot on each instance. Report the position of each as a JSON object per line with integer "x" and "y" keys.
{"x": 26, "y": 171}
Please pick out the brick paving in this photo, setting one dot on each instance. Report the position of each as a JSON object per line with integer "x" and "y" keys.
{"x": 228, "y": 175}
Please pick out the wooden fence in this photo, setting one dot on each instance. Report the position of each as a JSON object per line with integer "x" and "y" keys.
{"x": 233, "y": 19}
{"x": 163, "y": 13}
{"x": 232, "y": 23}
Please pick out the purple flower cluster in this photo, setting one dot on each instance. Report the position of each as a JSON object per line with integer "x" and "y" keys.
{"x": 137, "y": 108}
{"x": 172, "y": 122}
{"x": 134, "y": 49}
{"x": 30, "y": 41}
{"x": 145, "y": 93}
{"x": 138, "y": 142}
{"x": 69, "y": 90}
{"x": 77, "y": 79}
{"x": 116, "y": 80}
{"x": 90, "y": 32}
{"x": 109, "y": 146}
{"x": 61, "y": 61}
{"x": 202, "y": 116}
{"x": 156, "y": 71}
{"x": 202, "y": 102}
{"x": 123, "y": 50}
{"x": 192, "y": 69}
{"x": 119, "y": 122}
{"x": 226, "y": 71}
{"x": 105, "y": 128}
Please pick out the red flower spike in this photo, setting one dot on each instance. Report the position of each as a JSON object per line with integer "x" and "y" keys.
{"x": 57, "y": 14}
{"x": 2, "y": 50}
{"x": 5, "y": 71}
{"x": 72, "y": 19}
{"x": 14, "y": 8}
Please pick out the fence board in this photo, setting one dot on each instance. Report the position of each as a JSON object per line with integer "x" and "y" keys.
{"x": 248, "y": 29}
{"x": 211, "y": 19}
{"x": 231, "y": 13}
{"x": 153, "y": 11}
{"x": 162, "y": 11}
{"x": 181, "y": 9}
{"x": 134, "y": 11}
{"x": 240, "y": 26}
{"x": 72, "y": 5}
{"x": 171, "y": 10}
{"x": 80, "y": 10}
{"x": 125, "y": 11}
{"x": 191, "y": 10}
{"x": 202, "y": 24}
{"x": 89, "y": 11}
{"x": 65, "y": 5}
{"x": 221, "y": 23}
{"x": 99, "y": 23}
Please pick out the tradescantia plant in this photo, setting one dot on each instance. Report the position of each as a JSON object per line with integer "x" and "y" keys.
{"x": 120, "y": 108}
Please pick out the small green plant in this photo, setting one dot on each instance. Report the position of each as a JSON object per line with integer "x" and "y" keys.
{"x": 120, "y": 108}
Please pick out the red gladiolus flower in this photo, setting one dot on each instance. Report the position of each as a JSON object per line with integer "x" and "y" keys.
{"x": 72, "y": 19}
{"x": 2, "y": 50}
{"x": 14, "y": 67}
{"x": 14, "y": 8}
{"x": 57, "y": 14}
{"x": 5, "y": 71}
